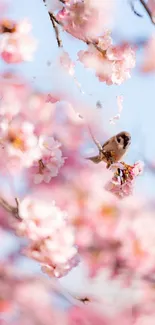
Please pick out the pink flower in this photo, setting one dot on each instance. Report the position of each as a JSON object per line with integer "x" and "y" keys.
{"x": 85, "y": 20}
{"x": 18, "y": 143}
{"x": 51, "y": 239}
{"x": 51, "y": 160}
{"x": 18, "y": 46}
{"x": 122, "y": 53}
{"x": 40, "y": 219}
{"x": 122, "y": 183}
{"x": 112, "y": 64}
{"x": 93, "y": 59}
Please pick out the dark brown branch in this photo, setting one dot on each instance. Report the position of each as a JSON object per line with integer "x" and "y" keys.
{"x": 56, "y": 30}
{"x": 54, "y": 24}
{"x": 9, "y": 208}
{"x": 52, "y": 16}
{"x": 144, "y": 4}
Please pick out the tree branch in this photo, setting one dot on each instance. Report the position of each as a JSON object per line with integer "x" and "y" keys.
{"x": 54, "y": 22}
{"x": 56, "y": 30}
{"x": 144, "y": 4}
{"x": 11, "y": 209}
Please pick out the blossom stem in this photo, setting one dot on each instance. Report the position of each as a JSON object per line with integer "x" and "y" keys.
{"x": 9, "y": 208}
{"x": 144, "y": 4}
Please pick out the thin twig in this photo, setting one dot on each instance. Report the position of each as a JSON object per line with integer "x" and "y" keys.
{"x": 16, "y": 211}
{"x": 9, "y": 208}
{"x": 144, "y": 4}
{"x": 55, "y": 19}
{"x": 99, "y": 146}
{"x": 97, "y": 143}
{"x": 94, "y": 43}
{"x": 54, "y": 24}
{"x": 131, "y": 2}
{"x": 56, "y": 30}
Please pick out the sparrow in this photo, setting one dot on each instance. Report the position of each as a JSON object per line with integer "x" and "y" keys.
{"x": 113, "y": 150}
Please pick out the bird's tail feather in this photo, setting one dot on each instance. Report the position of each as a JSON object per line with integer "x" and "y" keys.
{"x": 95, "y": 159}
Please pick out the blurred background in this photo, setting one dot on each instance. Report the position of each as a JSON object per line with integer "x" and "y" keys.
{"x": 137, "y": 117}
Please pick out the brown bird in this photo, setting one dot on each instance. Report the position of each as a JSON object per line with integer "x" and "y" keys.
{"x": 112, "y": 150}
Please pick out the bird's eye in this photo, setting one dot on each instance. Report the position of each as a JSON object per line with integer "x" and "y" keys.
{"x": 118, "y": 139}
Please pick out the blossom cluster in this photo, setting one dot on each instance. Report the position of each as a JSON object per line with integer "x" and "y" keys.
{"x": 51, "y": 239}
{"x": 123, "y": 181}
{"x": 112, "y": 64}
{"x": 25, "y": 142}
{"x": 16, "y": 45}
{"x": 85, "y": 19}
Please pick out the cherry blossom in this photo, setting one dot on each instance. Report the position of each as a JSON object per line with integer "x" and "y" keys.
{"x": 84, "y": 20}
{"x": 18, "y": 45}
{"x": 52, "y": 241}
{"x": 50, "y": 162}
{"x": 112, "y": 64}
{"x": 18, "y": 143}
{"x": 122, "y": 183}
